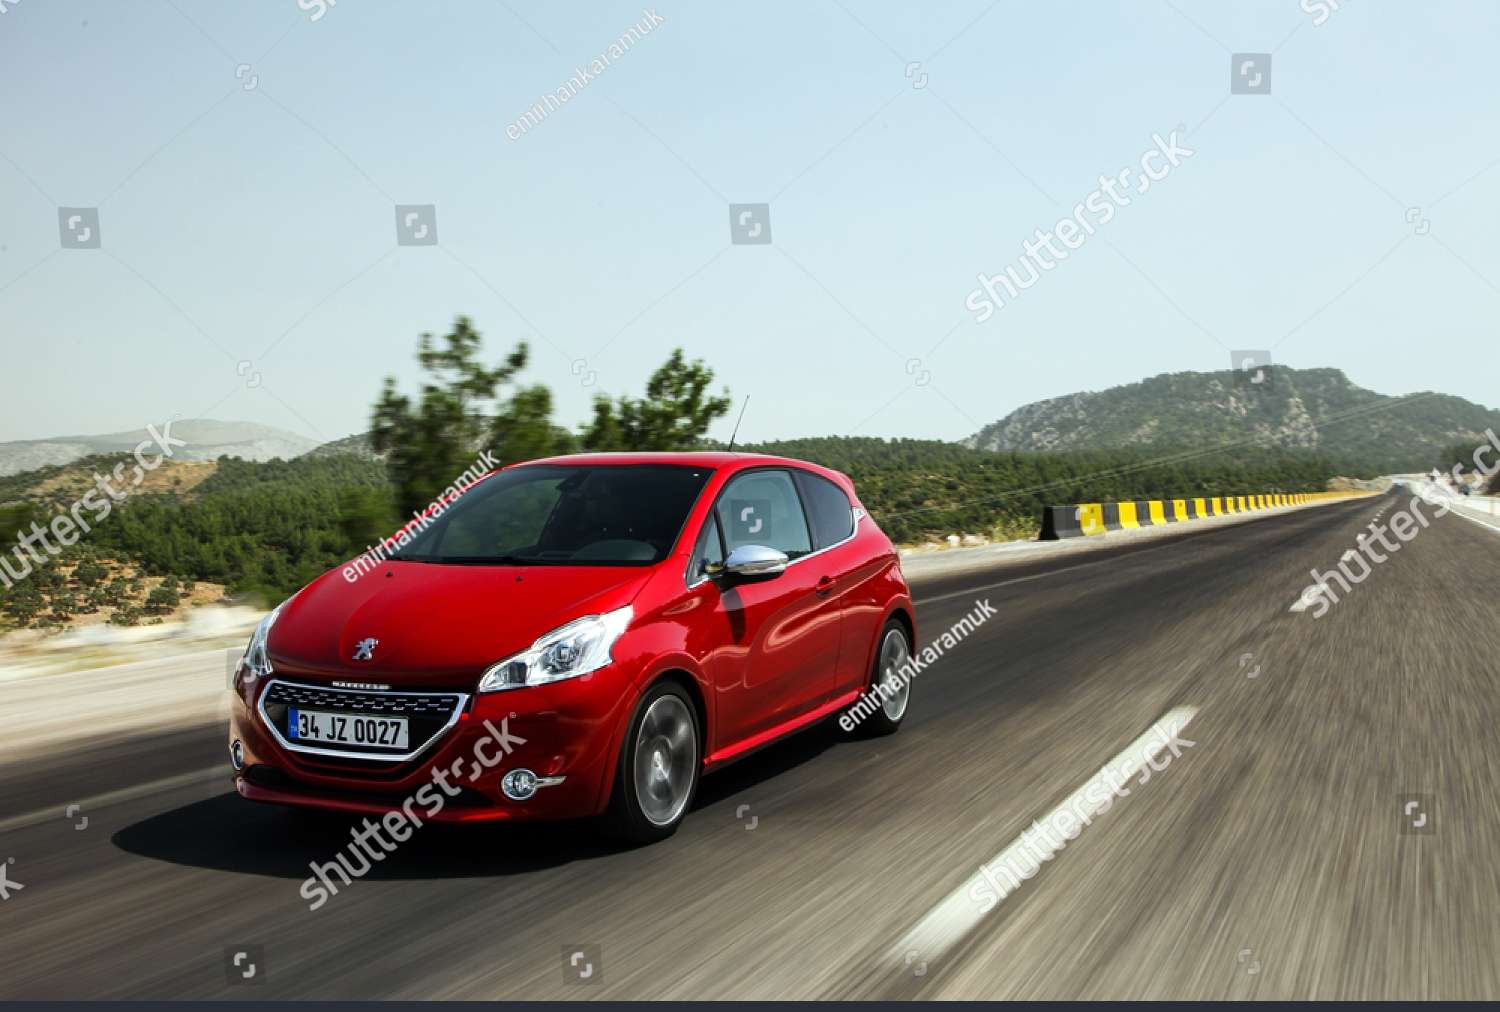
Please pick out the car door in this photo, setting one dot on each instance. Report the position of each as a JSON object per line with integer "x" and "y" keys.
{"x": 844, "y": 576}
{"x": 778, "y": 637}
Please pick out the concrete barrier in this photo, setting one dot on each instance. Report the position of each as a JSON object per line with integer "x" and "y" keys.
{"x": 1084, "y": 520}
{"x": 1060, "y": 522}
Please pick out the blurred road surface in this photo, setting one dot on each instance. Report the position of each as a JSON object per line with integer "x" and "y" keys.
{"x": 1331, "y": 833}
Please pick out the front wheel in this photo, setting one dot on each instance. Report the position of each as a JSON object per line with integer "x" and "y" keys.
{"x": 657, "y": 775}
{"x": 882, "y": 708}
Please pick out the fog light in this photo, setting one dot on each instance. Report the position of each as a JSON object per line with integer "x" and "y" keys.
{"x": 519, "y": 785}
{"x": 237, "y": 755}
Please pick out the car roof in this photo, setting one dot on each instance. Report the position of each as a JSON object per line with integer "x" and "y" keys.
{"x": 688, "y": 459}
{"x": 718, "y": 460}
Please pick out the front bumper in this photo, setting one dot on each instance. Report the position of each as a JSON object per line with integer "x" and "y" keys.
{"x": 570, "y": 729}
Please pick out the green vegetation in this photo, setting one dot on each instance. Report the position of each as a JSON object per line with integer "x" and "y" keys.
{"x": 918, "y": 489}
{"x": 1463, "y": 454}
{"x": 675, "y": 414}
{"x": 266, "y": 529}
{"x": 464, "y": 408}
{"x": 262, "y": 528}
{"x": 431, "y": 441}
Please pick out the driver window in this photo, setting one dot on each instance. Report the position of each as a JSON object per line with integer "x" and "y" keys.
{"x": 762, "y": 508}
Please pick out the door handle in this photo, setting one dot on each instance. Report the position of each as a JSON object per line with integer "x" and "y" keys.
{"x": 824, "y": 586}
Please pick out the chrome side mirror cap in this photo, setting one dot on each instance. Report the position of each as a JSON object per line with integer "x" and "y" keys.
{"x": 755, "y": 560}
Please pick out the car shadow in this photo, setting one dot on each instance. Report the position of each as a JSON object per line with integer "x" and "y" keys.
{"x": 767, "y": 764}
{"x": 227, "y": 833}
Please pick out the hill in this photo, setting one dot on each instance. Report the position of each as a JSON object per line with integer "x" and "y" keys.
{"x": 206, "y": 440}
{"x": 1316, "y": 410}
{"x": 266, "y": 528}
{"x": 250, "y": 528}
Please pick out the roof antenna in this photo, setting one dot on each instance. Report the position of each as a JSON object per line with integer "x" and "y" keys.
{"x": 737, "y": 422}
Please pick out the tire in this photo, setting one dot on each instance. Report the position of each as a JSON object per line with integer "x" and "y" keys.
{"x": 891, "y": 651}
{"x": 660, "y": 765}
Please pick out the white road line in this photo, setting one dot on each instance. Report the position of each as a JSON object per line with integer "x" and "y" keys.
{"x": 1309, "y": 597}
{"x": 952, "y": 919}
{"x": 124, "y": 794}
{"x": 1458, "y": 511}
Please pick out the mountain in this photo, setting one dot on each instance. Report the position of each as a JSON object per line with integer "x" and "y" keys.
{"x": 1318, "y": 410}
{"x": 206, "y": 440}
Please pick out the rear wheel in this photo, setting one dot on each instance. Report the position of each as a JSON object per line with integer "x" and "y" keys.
{"x": 657, "y": 775}
{"x": 890, "y": 687}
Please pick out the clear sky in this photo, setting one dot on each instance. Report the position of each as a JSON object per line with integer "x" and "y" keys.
{"x": 247, "y": 213}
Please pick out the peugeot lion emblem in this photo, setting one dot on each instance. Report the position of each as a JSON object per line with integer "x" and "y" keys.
{"x": 364, "y": 650}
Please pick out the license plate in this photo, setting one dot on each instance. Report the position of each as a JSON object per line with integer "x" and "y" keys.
{"x": 346, "y": 728}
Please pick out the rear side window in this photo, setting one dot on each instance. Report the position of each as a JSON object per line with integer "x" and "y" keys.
{"x": 828, "y": 509}
{"x": 761, "y": 508}
{"x": 708, "y": 557}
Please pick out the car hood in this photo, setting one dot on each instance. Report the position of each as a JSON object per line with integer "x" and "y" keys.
{"x": 437, "y": 624}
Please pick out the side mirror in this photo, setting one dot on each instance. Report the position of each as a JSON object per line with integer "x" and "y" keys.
{"x": 754, "y": 561}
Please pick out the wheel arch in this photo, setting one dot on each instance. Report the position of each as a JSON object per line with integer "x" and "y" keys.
{"x": 669, "y": 670}
{"x": 902, "y": 613}
{"x": 689, "y": 684}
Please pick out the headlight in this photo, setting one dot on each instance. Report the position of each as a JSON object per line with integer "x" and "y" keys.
{"x": 256, "y": 659}
{"x": 576, "y": 649}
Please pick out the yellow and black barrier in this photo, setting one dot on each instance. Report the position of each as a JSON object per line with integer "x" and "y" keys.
{"x": 1094, "y": 518}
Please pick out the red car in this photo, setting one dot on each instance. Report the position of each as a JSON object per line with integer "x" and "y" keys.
{"x": 579, "y": 636}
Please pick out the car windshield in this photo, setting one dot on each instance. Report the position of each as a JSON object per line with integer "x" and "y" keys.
{"x": 564, "y": 515}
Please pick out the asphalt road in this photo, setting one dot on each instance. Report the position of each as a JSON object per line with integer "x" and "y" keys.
{"x": 1273, "y": 858}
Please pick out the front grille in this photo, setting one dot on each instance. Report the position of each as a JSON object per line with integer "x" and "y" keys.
{"x": 428, "y": 716}
{"x": 403, "y": 705}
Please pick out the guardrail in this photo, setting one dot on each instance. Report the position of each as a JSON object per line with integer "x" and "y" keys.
{"x": 1091, "y": 519}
